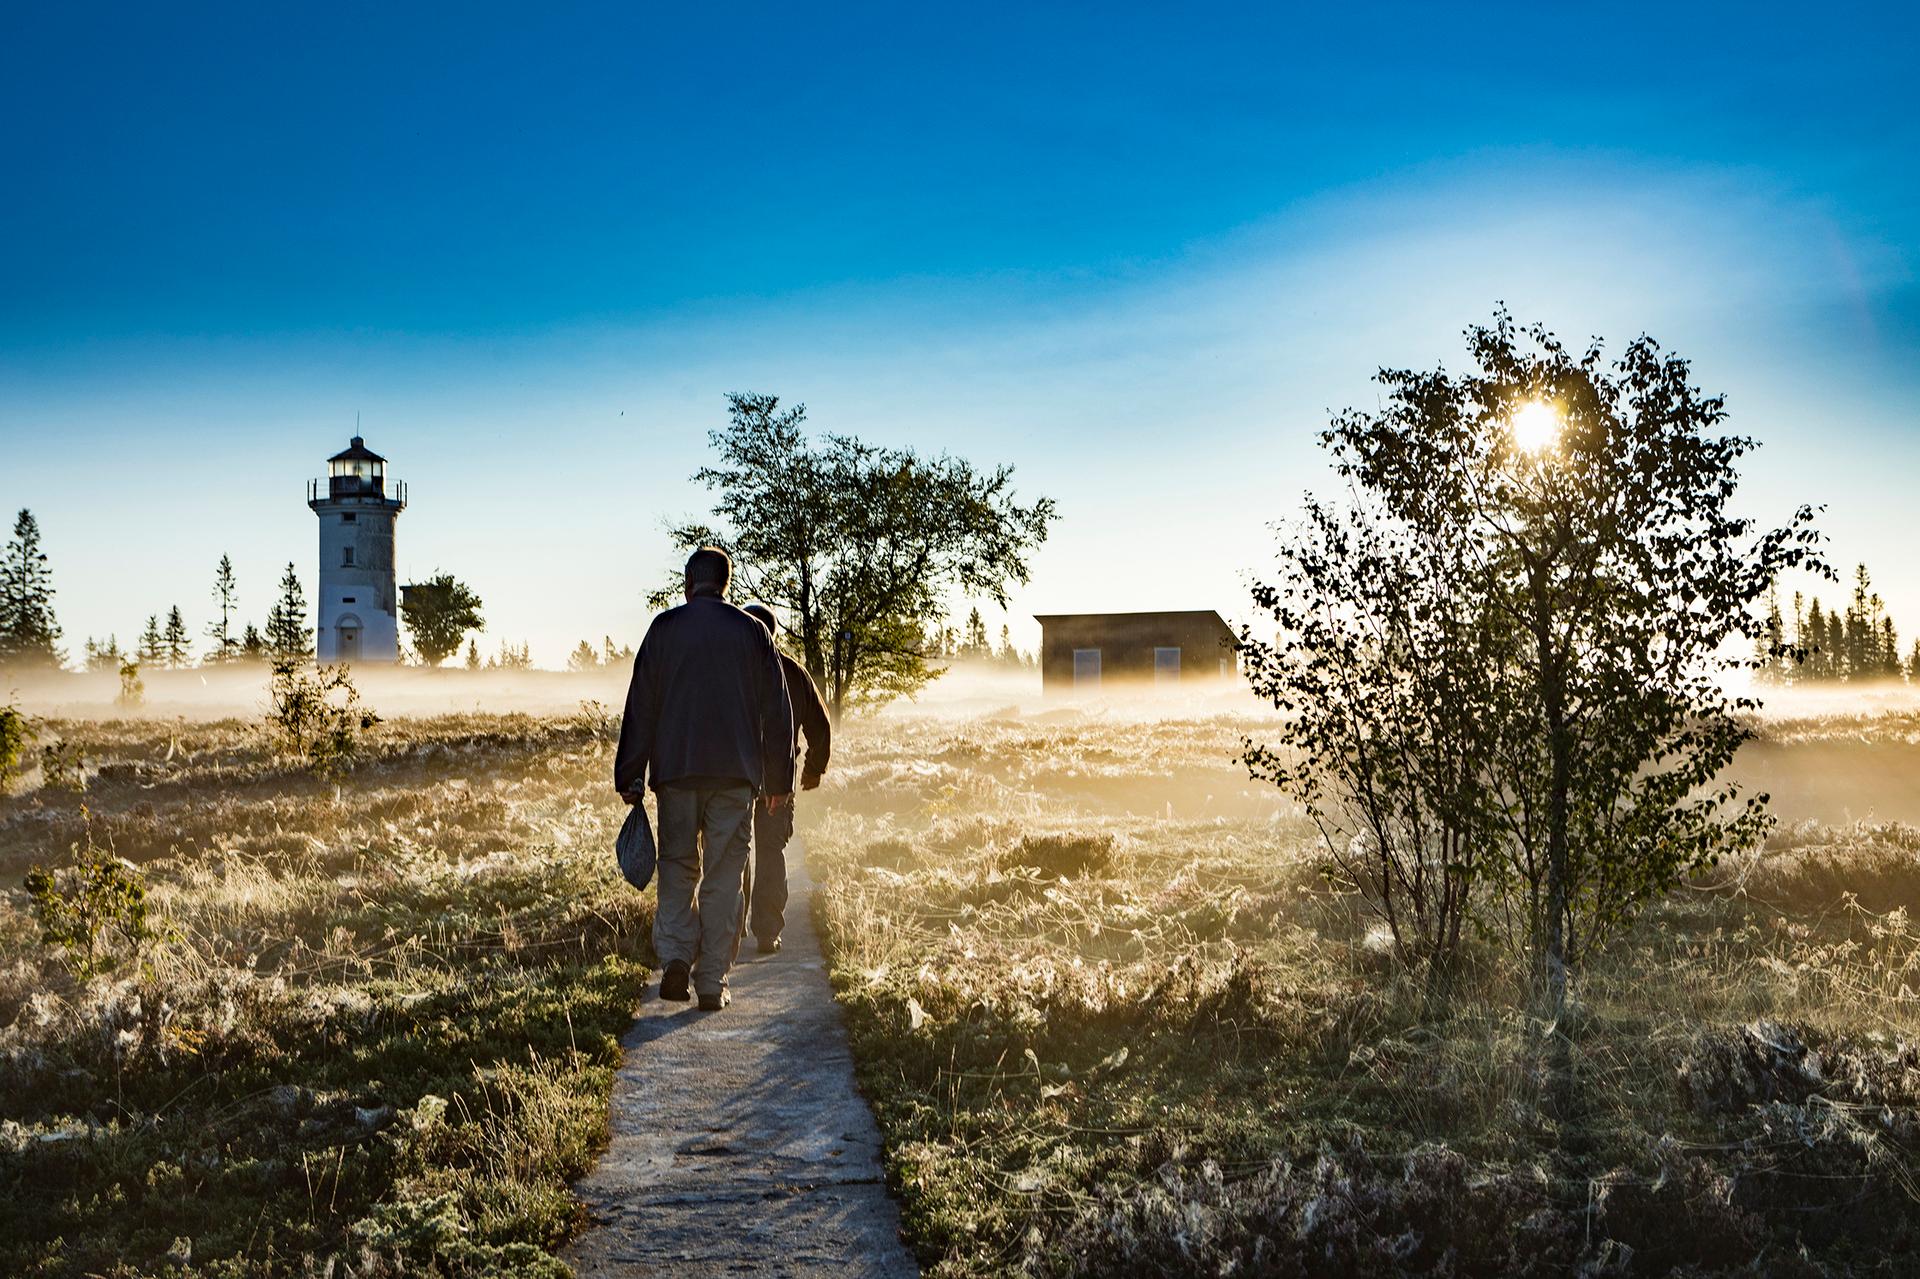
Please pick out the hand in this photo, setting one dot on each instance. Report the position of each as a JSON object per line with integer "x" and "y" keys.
{"x": 631, "y": 796}
{"x": 776, "y": 802}
{"x": 810, "y": 783}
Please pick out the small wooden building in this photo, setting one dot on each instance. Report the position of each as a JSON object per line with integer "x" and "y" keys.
{"x": 1085, "y": 650}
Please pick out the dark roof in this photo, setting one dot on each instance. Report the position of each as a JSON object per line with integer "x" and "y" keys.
{"x": 1191, "y": 613}
{"x": 356, "y": 452}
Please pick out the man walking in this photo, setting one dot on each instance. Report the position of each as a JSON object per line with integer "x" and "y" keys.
{"x": 707, "y": 724}
{"x": 773, "y": 825}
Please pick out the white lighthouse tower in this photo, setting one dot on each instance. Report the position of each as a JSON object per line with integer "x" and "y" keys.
{"x": 358, "y": 619}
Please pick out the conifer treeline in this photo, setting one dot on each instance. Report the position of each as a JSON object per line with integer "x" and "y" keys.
{"x": 166, "y": 644}
{"x": 1818, "y": 645}
{"x": 29, "y": 635}
{"x": 970, "y": 643}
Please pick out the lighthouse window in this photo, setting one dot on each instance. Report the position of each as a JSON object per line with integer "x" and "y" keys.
{"x": 346, "y": 556}
{"x": 347, "y": 518}
{"x": 346, "y": 599}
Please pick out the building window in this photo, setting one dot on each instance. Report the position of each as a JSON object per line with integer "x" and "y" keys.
{"x": 346, "y": 599}
{"x": 1166, "y": 666}
{"x": 346, "y": 557}
{"x": 346, "y": 517}
{"x": 1086, "y": 667}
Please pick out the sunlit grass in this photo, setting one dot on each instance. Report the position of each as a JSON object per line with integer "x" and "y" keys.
{"x": 379, "y": 1027}
{"x": 1134, "y": 1029}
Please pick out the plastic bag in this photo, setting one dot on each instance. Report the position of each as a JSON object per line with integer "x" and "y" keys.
{"x": 634, "y": 847}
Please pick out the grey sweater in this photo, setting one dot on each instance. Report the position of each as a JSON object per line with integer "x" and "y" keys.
{"x": 708, "y": 705}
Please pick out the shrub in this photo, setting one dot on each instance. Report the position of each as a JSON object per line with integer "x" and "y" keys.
{"x": 94, "y": 912}
{"x": 596, "y": 721}
{"x": 1063, "y": 856}
{"x": 317, "y": 713}
{"x": 63, "y": 766}
{"x": 15, "y": 733}
{"x": 133, "y": 690}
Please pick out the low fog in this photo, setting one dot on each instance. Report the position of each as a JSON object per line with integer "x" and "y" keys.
{"x": 1836, "y": 755}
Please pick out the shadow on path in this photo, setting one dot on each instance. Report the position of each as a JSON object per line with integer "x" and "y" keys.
{"x": 739, "y": 1144}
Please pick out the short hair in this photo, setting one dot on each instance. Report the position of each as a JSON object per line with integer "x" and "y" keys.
{"x": 764, "y": 615}
{"x": 708, "y": 571}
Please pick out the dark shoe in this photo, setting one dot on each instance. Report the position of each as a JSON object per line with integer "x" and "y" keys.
{"x": 673, "y": 984}
{"x": 768, "y": 945}
{"x": 715, "y": 1002}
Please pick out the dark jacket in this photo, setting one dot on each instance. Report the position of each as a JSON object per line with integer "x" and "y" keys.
{"x": 707, "y": 704}
{"x": 809, "y": 717}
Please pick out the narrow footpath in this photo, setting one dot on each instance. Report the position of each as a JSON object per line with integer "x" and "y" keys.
{"x": 739, "y": 1143}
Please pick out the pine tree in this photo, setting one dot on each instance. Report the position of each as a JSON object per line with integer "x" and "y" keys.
{"x": 1819, "y": 655}
{"x": 253, "y": 645}
{"x": 152, "y": 651}
{"x": 179, "y": 649}
{"x": 288, "y": 638}
{"x": 1889, "y": 650}
{"x": 1913, "y": 664}
{"x": 583, "y": 658}
{"x": 976, "y": 635}
{"x": 29, "y": 634}
{"x": 1770, "y": 662}
{"x": 104, "y": 657}
{"x": 225, "y": 589}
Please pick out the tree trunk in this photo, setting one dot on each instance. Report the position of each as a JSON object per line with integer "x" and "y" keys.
{"x": 1560, "y": 784}
{"x": 842, "y": 658}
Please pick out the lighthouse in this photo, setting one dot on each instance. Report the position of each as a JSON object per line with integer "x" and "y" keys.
{"x": 358, "y": 619}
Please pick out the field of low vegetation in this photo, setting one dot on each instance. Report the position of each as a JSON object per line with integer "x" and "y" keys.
{"x": 1118, "y": 1014}
{"x": 287, "y": 1023}
{"x": 1115, "y": 1009}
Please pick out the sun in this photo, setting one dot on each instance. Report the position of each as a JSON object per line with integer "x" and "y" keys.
{"x": 1535, "y": 426}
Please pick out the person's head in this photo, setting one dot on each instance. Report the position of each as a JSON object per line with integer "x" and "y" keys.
{"x": 708, "y": 572}
{"x": 763, "y": 615}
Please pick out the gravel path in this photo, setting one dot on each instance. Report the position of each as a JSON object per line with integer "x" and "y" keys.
{"x": 739, "y": 1144}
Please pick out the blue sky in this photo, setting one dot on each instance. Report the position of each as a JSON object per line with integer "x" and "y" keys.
{"x": 1136, "y": 253}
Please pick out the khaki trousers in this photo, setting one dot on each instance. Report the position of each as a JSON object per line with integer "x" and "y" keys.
{"x": 705, "y": 835}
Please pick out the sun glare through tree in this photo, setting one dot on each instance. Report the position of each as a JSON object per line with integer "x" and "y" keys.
{"x": 1535, "y": 426}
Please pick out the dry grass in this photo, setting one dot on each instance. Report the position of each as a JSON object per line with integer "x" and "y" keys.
{"x": 1114, "y": 1020}
{"x": 379, "y": 1029}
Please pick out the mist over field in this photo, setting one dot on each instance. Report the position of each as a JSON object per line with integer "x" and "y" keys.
{"x": 1835, "y": 754}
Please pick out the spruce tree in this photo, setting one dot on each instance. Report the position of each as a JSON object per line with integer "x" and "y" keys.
{"x": 1913, "y": 664}
{"x": 220, "y": 631}
{"x": 104, "y": 657}
{"x": 1771, "y": 664}
{"x": 179, "y": 648}
{"x": 288, "y": 638}
{"x": 473, "y": 655}
{"x": 152, "y": 650}
{"x": 1819, "y": 650}
{"x": 28, "y": 631}
{"x": 253, "y": 645}
{"x": 976, "y": 635}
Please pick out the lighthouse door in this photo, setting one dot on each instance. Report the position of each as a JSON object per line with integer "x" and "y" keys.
{"x": 346, "y": 646}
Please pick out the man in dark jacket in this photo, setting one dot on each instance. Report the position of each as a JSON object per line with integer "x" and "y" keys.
{"x": 708, "y": 725}
{"x": 773, "y": 826}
